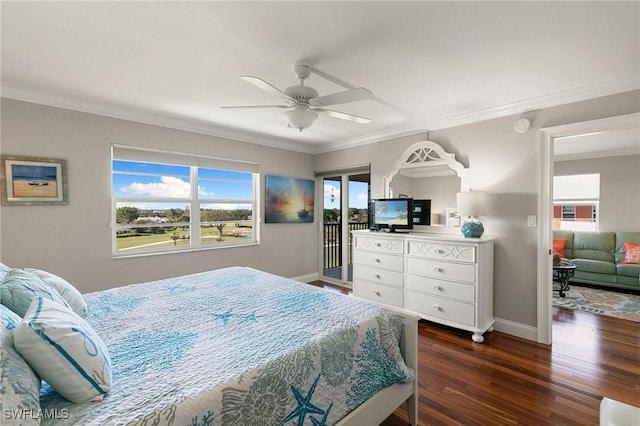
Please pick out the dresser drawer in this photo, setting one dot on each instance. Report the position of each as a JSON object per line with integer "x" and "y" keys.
{"x": 442, "y": 270}
{"x": 377, "y": 275}
{"x": 449, "y": 289}
{"x": 445, "y": 251}
{"x": 382, "y": 245}
{"x": 378, "y": 260}
{"x": 433, "y": 306}
{"x": 378, "y": 293}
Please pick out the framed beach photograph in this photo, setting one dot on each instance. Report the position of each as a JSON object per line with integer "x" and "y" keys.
{"x": 28, "y": 181}
{"x": 288, "y": 200}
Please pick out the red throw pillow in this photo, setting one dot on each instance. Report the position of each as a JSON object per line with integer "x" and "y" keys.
{"x": 631, "y": 253}
{"x": 558, "y": 247}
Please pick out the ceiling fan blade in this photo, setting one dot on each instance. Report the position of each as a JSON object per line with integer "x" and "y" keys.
{"x": 256, "y": 106}
{"x": 258, "y": 82}
{"x": 342, "y": 115}
{"x": 352, "y": 95}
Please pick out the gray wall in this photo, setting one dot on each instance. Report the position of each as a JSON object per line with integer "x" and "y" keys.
{"x": 74, "y": 241}
{"x": 505, "y": 164}
{"x": 619, "y": 189}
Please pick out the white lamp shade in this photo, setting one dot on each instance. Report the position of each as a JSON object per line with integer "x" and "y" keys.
{"x": 300, "y": 118}
{"x": 472, "y": 203}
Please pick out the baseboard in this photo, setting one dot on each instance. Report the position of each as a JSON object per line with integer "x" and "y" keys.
{"x": 516, "y": 329}
{"x": 307, "y": 278}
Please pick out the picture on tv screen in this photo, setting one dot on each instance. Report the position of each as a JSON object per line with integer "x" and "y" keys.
{"x": 392, "y": 212}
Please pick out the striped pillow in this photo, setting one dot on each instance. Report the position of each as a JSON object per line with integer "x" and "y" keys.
{"x": 64, "y": 351}
{"x": 19, "y": 288}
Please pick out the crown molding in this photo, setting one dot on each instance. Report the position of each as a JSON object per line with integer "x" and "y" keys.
{"x": 625, "y": 84}
{"x": 612, "y": 87}
{"x": 389, "y": 133}
{"x": 154, "y": 119}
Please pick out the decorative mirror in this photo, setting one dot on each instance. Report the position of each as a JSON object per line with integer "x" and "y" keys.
{"x": 426, "y": 171}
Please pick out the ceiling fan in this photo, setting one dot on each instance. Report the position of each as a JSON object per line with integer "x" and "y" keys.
{"x": 303, "y": 102}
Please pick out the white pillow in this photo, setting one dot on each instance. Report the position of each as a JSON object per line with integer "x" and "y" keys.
{"x": 20, "y": 385}
{"x": 64, "y": 350}
{"x": 67, "y": 291}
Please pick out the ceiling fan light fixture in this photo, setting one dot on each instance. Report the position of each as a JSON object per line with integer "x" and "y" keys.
{"x": 304, "y": 101}
{"x": 301, "y": 118}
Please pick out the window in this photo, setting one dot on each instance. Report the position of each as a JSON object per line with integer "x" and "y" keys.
{"x": 576, "y": 199}
{"x": 568, "y": 212}
{"x": 163, "y": 202}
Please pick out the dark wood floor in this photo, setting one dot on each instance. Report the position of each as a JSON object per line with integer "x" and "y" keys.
{"x": 511, "y": 381}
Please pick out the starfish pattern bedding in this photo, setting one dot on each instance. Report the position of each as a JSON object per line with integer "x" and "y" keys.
{"x": 236, "y": 346}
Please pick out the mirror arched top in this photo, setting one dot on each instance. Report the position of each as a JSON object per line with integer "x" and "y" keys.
{"x": 423, "y": 159}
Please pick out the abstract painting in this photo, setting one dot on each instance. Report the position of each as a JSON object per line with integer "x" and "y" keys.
{"x": 288, "y": 200}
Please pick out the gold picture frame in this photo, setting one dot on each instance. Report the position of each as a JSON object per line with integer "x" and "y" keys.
{"x": 30, "y": 181}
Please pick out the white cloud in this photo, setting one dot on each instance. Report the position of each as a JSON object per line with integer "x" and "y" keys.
{"x": 204, "y": 194}
{"x": 168, "y": 187}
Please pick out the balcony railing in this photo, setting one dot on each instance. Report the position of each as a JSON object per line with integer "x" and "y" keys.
{"x": 332, "y": 246}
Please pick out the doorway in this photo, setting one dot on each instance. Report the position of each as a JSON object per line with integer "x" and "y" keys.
{"x": 548, "y": 137}
{"x": 345, "y": 204}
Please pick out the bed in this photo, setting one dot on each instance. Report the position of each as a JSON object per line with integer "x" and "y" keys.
{"x": 238, "y": 346}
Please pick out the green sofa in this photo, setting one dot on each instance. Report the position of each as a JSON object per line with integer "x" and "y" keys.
{"x": 599, "y": 257}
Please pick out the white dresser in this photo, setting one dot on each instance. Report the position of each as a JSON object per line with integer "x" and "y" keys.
{"x": 446, "y": 279}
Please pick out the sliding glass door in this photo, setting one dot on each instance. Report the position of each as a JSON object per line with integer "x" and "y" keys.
{"x": 345, "y": 201}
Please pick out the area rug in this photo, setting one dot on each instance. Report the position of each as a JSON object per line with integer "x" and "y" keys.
{"x": 603, "y": 302}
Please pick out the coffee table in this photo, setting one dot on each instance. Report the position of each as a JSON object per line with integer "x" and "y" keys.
{"x": 561, "y": 274}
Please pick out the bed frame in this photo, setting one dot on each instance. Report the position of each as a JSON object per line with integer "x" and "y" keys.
{"x": 377, "y": 408}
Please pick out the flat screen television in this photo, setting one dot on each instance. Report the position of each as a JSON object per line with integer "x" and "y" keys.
{"x": 421, "y": 212}
{"x": 392, "y": 214}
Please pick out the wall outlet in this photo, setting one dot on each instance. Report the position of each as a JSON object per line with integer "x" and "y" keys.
{"x": 531, "y": 220}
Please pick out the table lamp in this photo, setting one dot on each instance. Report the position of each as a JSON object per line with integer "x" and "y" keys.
{"x": 472, "y": 204}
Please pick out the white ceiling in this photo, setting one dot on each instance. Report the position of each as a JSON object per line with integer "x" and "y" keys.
{"x": 429, "y": 65}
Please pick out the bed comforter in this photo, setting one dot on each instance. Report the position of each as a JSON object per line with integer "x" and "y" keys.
{"x": 236, "y": 346}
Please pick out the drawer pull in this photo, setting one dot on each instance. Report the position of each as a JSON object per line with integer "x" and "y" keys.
{"x": 438, "y": 251}
{"x": 437, "y": 308}
{"x": 437, "y": 288}
{"x": 378, "y": 245}
{"x": 377, "y": 260}
{"x": 377, "y": 293}
{"x": 377, "y": 276}
{"x": 437, "y": 269}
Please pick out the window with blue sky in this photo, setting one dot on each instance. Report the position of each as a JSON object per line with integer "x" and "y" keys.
{"x": 358, "y": 194}
{"x": 154, "y": 205}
